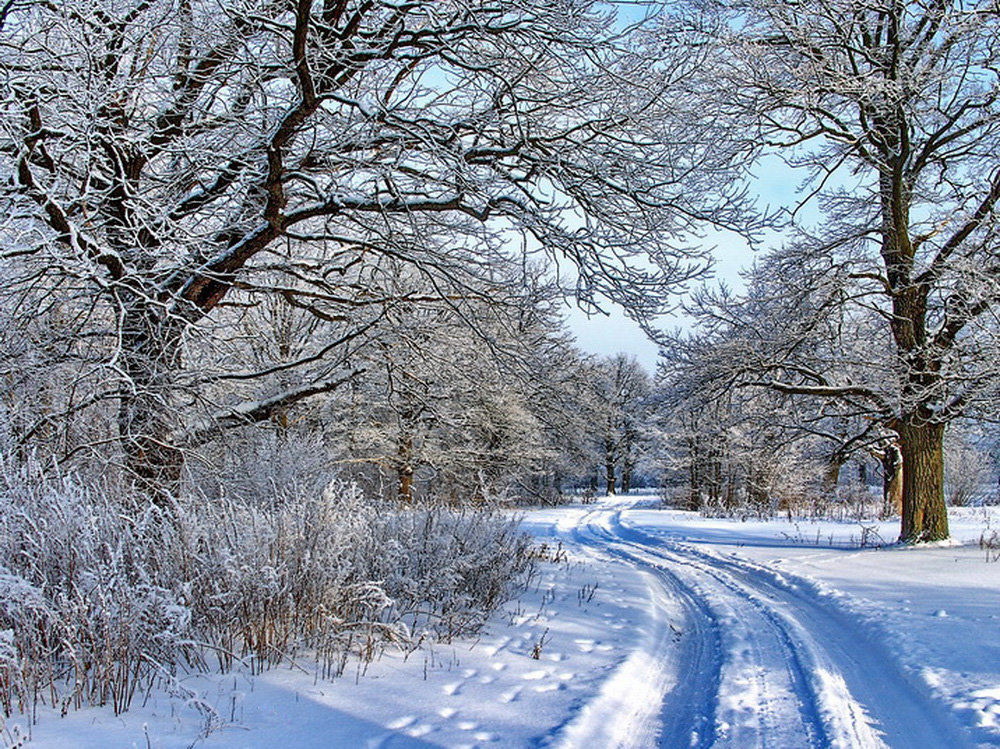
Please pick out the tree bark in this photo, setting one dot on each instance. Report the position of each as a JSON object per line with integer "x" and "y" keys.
{"x": 609, "y": 477}
{"x": 831, "y": 475}
{"x": 150, "y": 355}
{"x": 924, "y": 516}
{"x": 892, "y": 482}
{"x": 610, "y": 454}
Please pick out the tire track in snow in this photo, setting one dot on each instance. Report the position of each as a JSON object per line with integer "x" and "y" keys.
{"x": 688, "y": 719}
{"x": 625, "y": 712}
{"x": 761, "y": 665}
{"x": 854, "y": 671}
{"x": 759, "y": 662}
{"x": 758, "y": 693}
{"x": 851, "y": 691}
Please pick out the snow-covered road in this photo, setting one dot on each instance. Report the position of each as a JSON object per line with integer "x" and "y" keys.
{"x": 755, "y": 660}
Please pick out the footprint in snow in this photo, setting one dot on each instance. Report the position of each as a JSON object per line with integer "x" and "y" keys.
{"x": 499, "y": 666}
{"x": 452, "y": 689}
{"x": 401, "y": 723}
{"x": 492, "y": 650}
{"x": 468, "y": 725}
{"x": 535, "y": 675}
{"x": 510, "y": 695}
{"x": 447, "y": 712}
{"x": 419, "y": 730}
{"x": 551, "y": 687}
{"x": 586, "y": 646}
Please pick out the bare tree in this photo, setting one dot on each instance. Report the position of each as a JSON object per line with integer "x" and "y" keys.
{"x": 460, "y": 401}
{"x": 161, "y": 156}
{"x": 891, "y": 107}
{"x": 754, "y": 360}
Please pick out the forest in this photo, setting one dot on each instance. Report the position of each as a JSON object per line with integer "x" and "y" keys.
{"x": 283, "y": 287}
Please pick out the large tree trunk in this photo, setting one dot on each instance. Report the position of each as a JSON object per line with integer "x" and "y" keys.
{"x": 924, "y": 517}
{"x": 150, "y": 357}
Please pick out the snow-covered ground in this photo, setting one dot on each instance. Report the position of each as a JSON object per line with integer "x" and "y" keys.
{"x": 660, "y": 628}
{"x": 911, "y": 623}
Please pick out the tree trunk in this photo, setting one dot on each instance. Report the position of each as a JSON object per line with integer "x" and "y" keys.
{"x": 610, "y": 459}
{"x": 831, "y": 476}
{"x": 892, "y": 482}
{"x": 404, "y": 471}
{"x": 627, "y": 469}
{"x": 630, "y": 439}
{"x": 150, "y": 357}
{"x": 715, "y": 478}
{"x": 694, "y": 475}
{"x": 730, "y": 500}
{"x": 924, "y": 517}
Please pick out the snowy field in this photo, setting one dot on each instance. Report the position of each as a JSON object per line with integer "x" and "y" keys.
{"x": 655, "y": 628}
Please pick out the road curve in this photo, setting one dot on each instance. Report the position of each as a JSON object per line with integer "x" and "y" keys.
{"x": 738, "y": 656}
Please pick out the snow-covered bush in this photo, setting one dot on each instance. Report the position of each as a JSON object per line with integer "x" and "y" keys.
{"x": 968, "y": 479}
{"x": 341, "y": 572}
{"x": 85, "y": 595}
{"x": 100, "y": 598}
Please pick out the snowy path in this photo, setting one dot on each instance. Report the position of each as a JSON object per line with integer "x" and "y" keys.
{"x": 757, "y": 660}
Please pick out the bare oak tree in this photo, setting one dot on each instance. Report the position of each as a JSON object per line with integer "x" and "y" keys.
{"x": 891, "y": 107}
{"x": 162, "y": 158}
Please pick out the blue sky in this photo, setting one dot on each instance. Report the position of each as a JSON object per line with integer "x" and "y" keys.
{"x": 613, "y": 333}
{"x": 776, "y": 184}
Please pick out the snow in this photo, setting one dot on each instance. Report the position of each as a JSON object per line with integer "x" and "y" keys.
{"x": 935, "y": 608}
{"x": 658, "y": 628}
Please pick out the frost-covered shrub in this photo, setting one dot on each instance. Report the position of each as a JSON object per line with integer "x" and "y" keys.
{"x": 253, "y": 464}
{"x": 460, "y": 571}
{"x": 341, "y": 572}
{"x": 100, "y": 597}
{"x": 966, "y": 471}
{"x": 84, "y": 596}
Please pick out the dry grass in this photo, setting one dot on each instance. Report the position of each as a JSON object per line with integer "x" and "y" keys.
{"x": 102, "y": 598}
